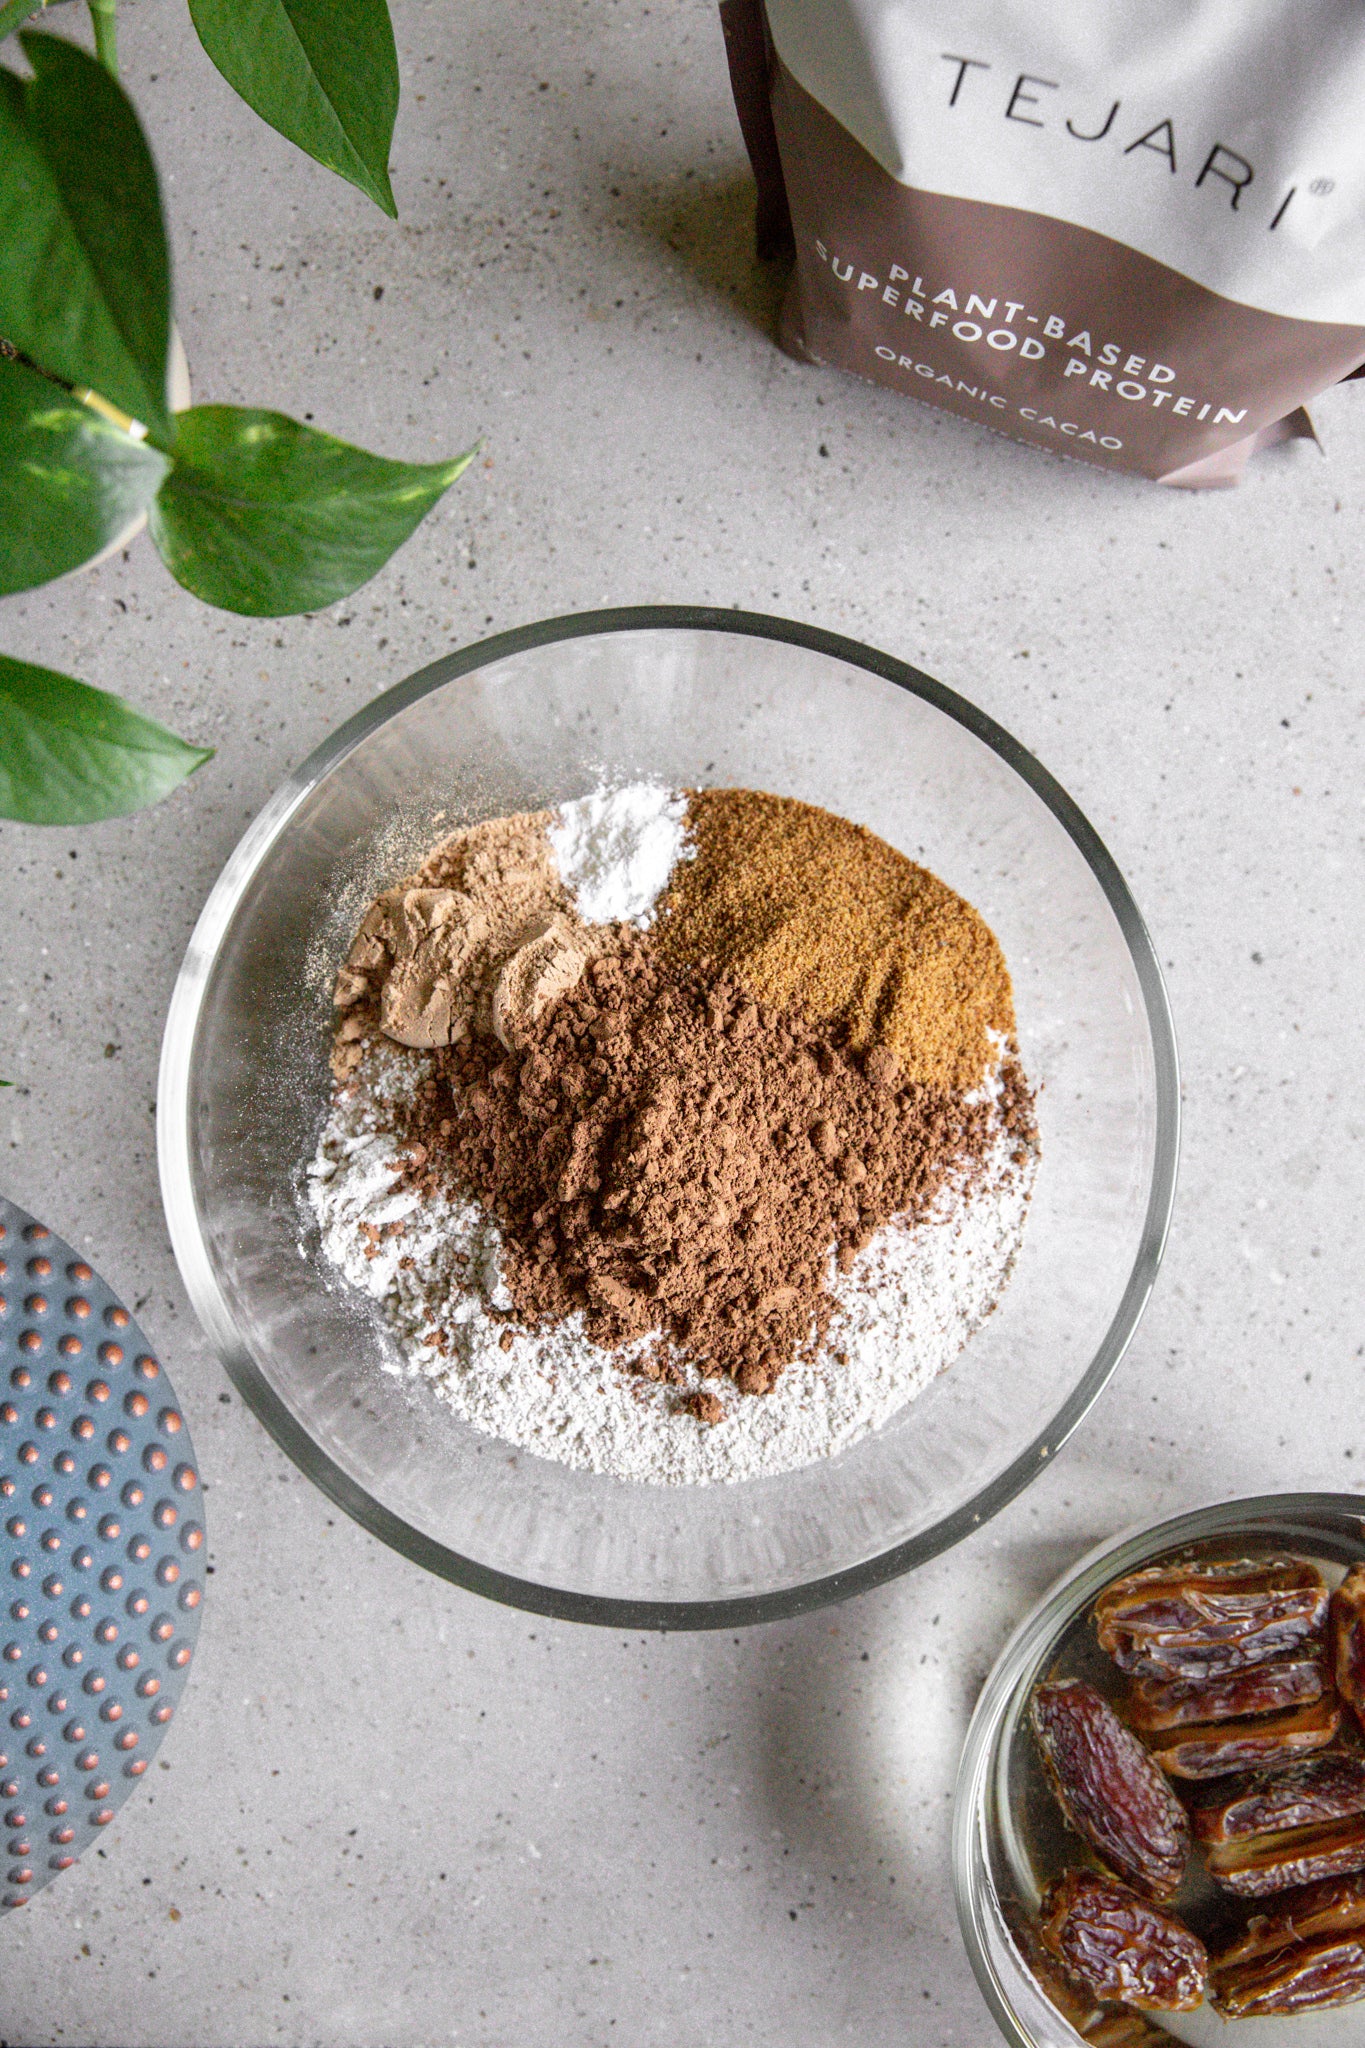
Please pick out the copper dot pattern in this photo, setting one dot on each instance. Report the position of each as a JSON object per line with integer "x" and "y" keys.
{"x": 102, "y": 1554}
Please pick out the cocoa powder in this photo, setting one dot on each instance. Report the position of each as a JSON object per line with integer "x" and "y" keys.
{"x": 803, "y": 906}
{"x": 664, "y": 1153}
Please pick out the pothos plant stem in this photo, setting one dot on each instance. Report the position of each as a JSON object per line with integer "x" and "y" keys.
{"x": 106, "y": 34}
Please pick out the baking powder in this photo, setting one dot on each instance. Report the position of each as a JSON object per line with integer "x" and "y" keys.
{"x": 615, "y": 850}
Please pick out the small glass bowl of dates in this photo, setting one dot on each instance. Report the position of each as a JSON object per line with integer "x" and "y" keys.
{"x": 1159, "y": 1828}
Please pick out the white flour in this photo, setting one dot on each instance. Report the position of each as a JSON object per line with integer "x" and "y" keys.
{"x": 616, "y": 849}
{"x": 910, "y": 1303}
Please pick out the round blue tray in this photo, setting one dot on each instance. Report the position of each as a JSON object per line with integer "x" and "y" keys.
{"x": 101, "y": 1554}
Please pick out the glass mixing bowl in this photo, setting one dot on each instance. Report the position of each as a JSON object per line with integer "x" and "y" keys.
{"x": 1007, "y": 1838}
{"x": 688, "y": 697}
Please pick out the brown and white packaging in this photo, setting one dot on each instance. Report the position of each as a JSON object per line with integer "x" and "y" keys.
{"x": 1133, "y": 234}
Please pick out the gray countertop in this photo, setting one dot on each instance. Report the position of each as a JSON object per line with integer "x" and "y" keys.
{"x": 389, "y": 1811}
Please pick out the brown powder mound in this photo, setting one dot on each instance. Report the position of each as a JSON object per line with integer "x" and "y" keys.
{"x": 663, "y": 1153}
{"x": 481, "y": 938}
{"x": 802, "y": 906}
{"x": 499, "y": 854}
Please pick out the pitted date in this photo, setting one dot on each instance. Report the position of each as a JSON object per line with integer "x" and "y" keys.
{"x": 1191, "y": 1621}
{"x": 1231, "y": 1746}
{"x": 1121, "y": 1946}
{"x": 1328, "y": 1787}
{"x": 1101, "y": 2025}
{"x": 1348, "y": 1640}
{"x": 1308, "y": 1976}
{"x": 1262, "y": 1864}
{"x": 1070, "y": 1998}
{"x": 1109, "y": 1788}
{"x": 1157, "y": 1703}
{"x": 1334, "y": 1906}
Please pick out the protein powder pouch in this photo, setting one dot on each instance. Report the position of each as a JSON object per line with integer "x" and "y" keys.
{"x": 1130, "y": 234}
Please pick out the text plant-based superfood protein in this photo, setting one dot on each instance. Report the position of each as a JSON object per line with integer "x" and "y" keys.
{"x": 1131, "y": 235}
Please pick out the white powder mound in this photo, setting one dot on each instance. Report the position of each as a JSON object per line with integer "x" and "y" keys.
{"x": 911, "y": 1301}
{"x": 616, "y": 849}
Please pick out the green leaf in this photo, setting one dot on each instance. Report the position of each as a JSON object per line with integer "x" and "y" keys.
{"x": 70, "y": 481}
{"x": 263, "y": 516}
{"x": 70, "y": 754}
{"x": 323, "y": 72}
{"x": 13, "y": 15}
{"x": 85, "y": 282}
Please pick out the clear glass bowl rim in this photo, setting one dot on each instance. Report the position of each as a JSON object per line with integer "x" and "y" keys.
{"x": 1044, "y": 1622}
{"x": 174, "y": 1132}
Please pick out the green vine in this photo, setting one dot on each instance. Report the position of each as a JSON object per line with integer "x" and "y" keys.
{"x": 106, "y": 33}
{"x": 249, "y": 510}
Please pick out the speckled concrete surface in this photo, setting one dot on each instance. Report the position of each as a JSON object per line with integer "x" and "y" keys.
{"x": 390, "y": 1812}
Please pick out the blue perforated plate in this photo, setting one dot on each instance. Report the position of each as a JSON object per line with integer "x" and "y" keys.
{"x": 101, "y": 1554}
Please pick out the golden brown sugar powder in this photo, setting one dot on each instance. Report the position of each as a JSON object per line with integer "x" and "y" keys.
{"x": 803, "y": 906}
